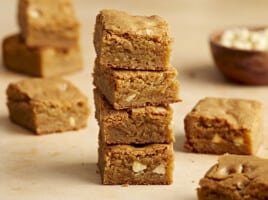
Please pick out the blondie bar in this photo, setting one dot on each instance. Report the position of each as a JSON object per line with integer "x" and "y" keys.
{"x": 48, "y": 23}
{"x": 128, "y": 89}
{"x": 134, "y": 126}
{"x": 144, "y": 165}
{"x": 235, "y": 178}
{"x": 47, "y": 105}
{"x": 41, "y": 62}
{"x": 221, "y": 125}
{"x": 132, "y": 42}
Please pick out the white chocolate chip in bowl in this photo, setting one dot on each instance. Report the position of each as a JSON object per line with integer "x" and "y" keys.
{"x": 241, "y": 54}
{"x": 138, "y": 167}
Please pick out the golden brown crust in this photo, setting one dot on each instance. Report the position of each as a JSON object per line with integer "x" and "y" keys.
{"x": 125, "y": 164}
{"x": 237, "y": 178}
{"x": 48, "y": 23}
{"x": 144, "y": 125}
{"x": 124, "y": 41}
{"x": 218, "y": 125}
{"x": 129, "y": 89}
{"x": 39, "y": 61}
{"x": 47, "y": 105}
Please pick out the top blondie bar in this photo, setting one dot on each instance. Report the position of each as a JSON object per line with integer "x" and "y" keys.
{"x": 132, "y": 42}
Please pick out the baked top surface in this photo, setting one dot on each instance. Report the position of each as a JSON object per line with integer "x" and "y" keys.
{"x": 45, "y": 90}
{"x": 239, "y": 171}
{"x": 122, "y": 22}
{"x": 50, "y": 12}
{"x": 239, "y": 113}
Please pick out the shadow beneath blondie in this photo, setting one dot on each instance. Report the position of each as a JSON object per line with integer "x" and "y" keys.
{"x": 179, "y": 142}
{"x": 9, "y": 128}
{"x": 74, "y": 172}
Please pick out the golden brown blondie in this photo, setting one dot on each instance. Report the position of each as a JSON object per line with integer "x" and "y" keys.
{"x": 129, "y": 89}
{"x": 235, "y": 178}
{"x": 132, "y": 42}
{"x": 39, "y": 61}
{"x": 48, "y": 23}
{"x": 150, "y": 124}
{"x": 222, "y": 125}
{"x": 47, "y": 105}
{"x": 136, "y": 165}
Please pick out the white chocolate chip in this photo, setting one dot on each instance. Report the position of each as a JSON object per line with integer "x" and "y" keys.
{"x": 240, "y": 185}
{"x": 171, "y": 125}
{"x": 242, "y": 45}
{"x": 160, "y": 169}
{"x": 223, "y": 172}
{"x": 138, "y": 167}
{"x": 130, "y": 98}
{"x": 34, "y": 13}
{"x": 226, "y": 42}
{"x": 216, "y": 139}
{"x": 238, "y": 141}
{"x": 239, "y": 169}
{"x": 148, "y": 31}
{"x": 62, "y": 86}
{"x": 245, "y": 39}
{"x": 72, "y": 121}
{"x": 161, "y": 109}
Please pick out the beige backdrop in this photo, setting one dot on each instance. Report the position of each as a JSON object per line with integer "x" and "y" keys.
{"x": 63, "y": 166}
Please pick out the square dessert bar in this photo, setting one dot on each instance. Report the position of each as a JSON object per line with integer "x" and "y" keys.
{"x": 132, "y": 42}
{"x": 134, "y": 165}
{"x": 221, "y": 125}
{"x": 130, "y": 89}
{"x": 41, "y": 62}
{"x": 235, "y": 178}
{"x": 134, "y": 126}
{"x": 47, "y": 105}
{"x": 48, "y": 23}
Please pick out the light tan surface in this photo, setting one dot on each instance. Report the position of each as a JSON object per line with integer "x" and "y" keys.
{"x": 63, "y": 166}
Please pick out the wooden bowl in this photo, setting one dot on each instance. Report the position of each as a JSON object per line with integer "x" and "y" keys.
{"x": 243, "y": 66}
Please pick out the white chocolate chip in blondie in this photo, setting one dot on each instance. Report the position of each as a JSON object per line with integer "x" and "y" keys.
{"x": 34, "y": 13}
{"x": 138, "y": 167}
{"x": 238, "y": 141}
{"x": 72, "y": 121}
{"x": 130, "y": 98}
{"x": 171, "y": 125}
{"x": 161, "y": 109}
{"x": 239, "y": 169}
{"x": 216, "y": 139}
{"x": 160, "y": 169}
{"x": 62, "y": 86}
{"x": 222, "y": 172}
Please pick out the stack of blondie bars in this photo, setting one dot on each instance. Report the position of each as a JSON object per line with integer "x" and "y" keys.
{"x": 48, "y": 42}
{"x": 134, "y": 86}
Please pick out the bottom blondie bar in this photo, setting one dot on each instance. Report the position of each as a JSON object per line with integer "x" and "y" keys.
{"x": 41, "y": 62}
{"x": 136, "y": 165}
{"x": 235, "y": 178}
{"x": 47, "y": 105}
